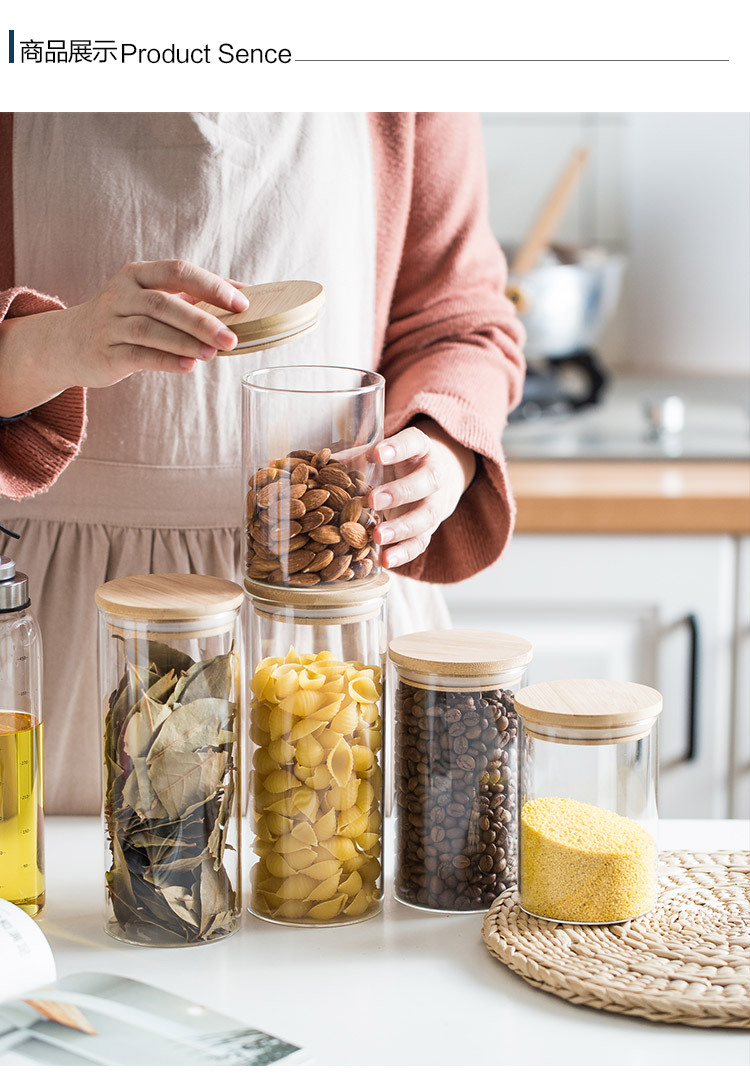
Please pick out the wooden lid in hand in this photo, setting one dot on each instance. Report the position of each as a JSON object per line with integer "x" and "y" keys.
{"x": 277, "y": 313}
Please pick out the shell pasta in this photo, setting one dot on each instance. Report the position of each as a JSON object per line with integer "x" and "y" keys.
{"x": 316, "y": 784}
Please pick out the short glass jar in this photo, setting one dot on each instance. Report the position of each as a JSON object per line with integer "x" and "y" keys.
{"x": 308, "y": 439}
{"x": 455, "y": 766}
{"x": 316, "y": 733}
{"x": 588, "y": 822}
{"x": 169, "y": 667}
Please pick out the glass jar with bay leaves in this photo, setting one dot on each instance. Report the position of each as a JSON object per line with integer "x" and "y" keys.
{"x": 316, "y": 735}
{"x": 169, "y": 668}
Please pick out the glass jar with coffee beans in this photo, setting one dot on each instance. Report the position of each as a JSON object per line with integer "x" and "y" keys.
{"x": 455, "y": 766}
{"x": 308, "y": 438}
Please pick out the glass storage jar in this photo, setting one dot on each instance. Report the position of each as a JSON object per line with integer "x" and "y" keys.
{"x": 588, "y": 821}
{"x": 316, "y": 735}
{"x": 455, "y": 766}
{"x": 169, "y": 667}
{"x": 308, "y": 438}
{"x": 21, "y": 749}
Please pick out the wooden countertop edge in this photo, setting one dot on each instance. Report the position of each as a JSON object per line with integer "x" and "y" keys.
{"x": 555, "y": 497}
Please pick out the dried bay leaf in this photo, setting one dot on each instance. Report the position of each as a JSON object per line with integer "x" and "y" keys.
{"x": 185, "y": 780}
{"x": 191, "y": 727}
{"x": 208, "y": 678}
{"x": 141, "y": 651}
{"x": 170, "y": 731}
{"x": 139, "y": 794}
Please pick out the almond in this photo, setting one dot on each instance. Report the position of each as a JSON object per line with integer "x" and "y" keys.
{"x": 311, "y": 520}
{"x": 326, "y": 534}
{"x": 360, "y": 555}
{"x": 362, "y": 569}
{"x": 319, "y": 561}
{"x": 262, "y": 565}
{"x": 299, "y": 560}
{"x": 301, "y": 454}
{"x": 347, "y": 575}
{"x": 300, "y": 473}
{"x": 354, "y": 534}
{"x": 321, "y": 458}
{"x": 263, "y": 476}
{"x": 314, "y": 498}
{"x": 351, "y": 510}
{"x": 303, "y": 580}
{"x": 272, "y": 494}
{"x": 340, "y": 548}
{"x": 337, "y": 498}
{"x": 336, "y": 568}
{"x": 297, "y": 490}
{"x": 334, "y": 476}
{"x": 295, "y": 509}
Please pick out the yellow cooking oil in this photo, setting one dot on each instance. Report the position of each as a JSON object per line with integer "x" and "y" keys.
{"x": 21, "y": 811}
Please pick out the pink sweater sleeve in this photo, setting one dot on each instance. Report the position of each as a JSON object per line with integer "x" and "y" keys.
{"x": 453, "y": 345}
{"x": 36, "y": 447}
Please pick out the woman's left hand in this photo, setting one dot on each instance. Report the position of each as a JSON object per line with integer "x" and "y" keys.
{"x": 430, "y": 472}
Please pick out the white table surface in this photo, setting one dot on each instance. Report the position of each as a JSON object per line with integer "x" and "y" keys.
{"x": 405, "y": 987}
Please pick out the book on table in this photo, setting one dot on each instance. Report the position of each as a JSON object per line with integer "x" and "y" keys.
{"x": 98, "y": 1019}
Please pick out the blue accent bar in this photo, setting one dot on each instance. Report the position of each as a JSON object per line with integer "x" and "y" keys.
{"x": 11, "y": 48}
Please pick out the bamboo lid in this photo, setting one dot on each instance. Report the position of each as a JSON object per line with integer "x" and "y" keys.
{"x": 168, "y": 596}
{"x": 589, "y": 708}
{"x": 312, "y": 599}
{"x": 277, "y": 313}
{"x": 465, "y": 653}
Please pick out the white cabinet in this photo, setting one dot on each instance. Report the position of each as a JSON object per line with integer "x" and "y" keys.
{"x": 740, "y": 749}
{"x": 654, "y": 609}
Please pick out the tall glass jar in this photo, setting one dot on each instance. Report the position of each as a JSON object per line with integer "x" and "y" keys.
{"x": 588, "y": 825}
{"x": 169, "y": 668}
{"x": 21, "y": 751}
{"x": 316, "y": 735}
{"x": 455, "y": 766}
{"x": 308, "y": 438}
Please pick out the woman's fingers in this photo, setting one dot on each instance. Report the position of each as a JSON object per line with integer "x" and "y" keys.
{"x": 405, "y": 551}
{"x": 403, "y": 446}
{"x": 408, "y": 489}
{"x": 130, "y": 357}
{"x": 421, "y": 519}
{"x": 180, "y": 276}
{"x": 146, "y": 332}
{"x": 174, "y": 312}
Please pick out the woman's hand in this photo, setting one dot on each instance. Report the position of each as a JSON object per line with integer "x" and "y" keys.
{"x": 144, "y": 317}
{"x": 430, "y": 472}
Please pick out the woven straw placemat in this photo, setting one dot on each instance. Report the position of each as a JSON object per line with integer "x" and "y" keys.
{"x": 687, "y": 962}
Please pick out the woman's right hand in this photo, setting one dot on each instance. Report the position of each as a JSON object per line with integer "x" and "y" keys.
{"x": 144, "y": 317}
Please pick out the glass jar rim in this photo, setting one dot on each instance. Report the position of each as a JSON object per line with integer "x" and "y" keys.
{"x": 371, "y": 383}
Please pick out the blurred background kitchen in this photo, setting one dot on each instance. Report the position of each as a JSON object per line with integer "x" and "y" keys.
{"x": 628, "y": 236}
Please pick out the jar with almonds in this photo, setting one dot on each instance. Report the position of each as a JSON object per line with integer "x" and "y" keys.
{"x": 316, "y": 752}
{"x": 308, "y": 439}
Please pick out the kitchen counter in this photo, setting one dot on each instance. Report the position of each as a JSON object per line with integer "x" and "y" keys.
{"x": 404, "y": 988}
{"x": 650, "y": 497}
{"x": 604, "y": 469}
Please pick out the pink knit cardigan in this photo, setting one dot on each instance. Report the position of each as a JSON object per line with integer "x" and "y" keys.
{"x": 446, "y": 338}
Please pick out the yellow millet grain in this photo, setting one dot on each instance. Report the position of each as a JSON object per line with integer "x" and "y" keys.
{"x": 583, "y": 864}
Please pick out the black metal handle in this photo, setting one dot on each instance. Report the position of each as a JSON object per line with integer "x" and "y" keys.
{"x": 691, "y": 621}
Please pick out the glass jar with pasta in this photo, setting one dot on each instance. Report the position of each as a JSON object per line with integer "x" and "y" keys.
{"x": 316, "y": 740}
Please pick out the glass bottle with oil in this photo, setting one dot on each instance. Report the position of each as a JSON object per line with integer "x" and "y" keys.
{"x": 21, "y": 768}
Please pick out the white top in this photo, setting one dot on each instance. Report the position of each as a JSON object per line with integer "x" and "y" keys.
{"x": 405, "y": 987}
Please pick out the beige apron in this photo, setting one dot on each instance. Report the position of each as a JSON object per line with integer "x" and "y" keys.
{"x": 157, "y": 485}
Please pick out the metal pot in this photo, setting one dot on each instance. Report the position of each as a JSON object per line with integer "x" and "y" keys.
{"x": 565, "y": 306}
